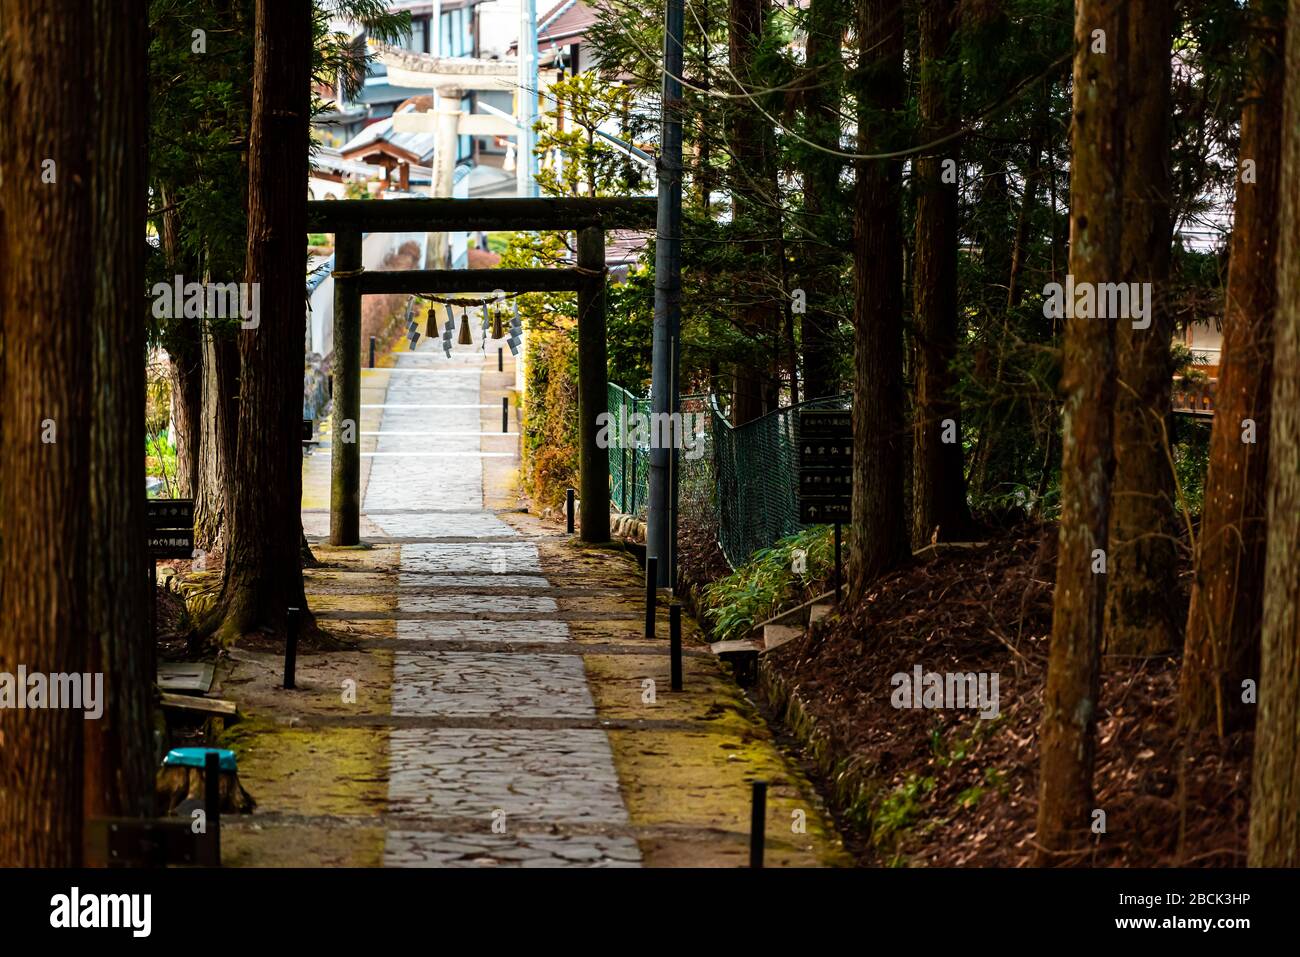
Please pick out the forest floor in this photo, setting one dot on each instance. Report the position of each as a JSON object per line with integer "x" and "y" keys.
{"x": 944, "y": 787}
{"x": 491, "y": 699}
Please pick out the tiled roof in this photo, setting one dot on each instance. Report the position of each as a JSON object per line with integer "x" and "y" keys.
{"x": 565, "y": 19}
{"x": 563, "y": 23}
{"x": 419, "y": 145}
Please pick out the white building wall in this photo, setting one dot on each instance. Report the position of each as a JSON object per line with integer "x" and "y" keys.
{"x": 499, "y": 25}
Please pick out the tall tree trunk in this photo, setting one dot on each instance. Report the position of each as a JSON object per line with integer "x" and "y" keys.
{"x": 1068, "y": 735}
{"x": 1275, "y": 779}
{"x": 879, "y": 540}
{"x": 938, "y": 482}
{"x": 185, "y": 350}
{"x": 820, "y": 172}
{"x": 119, "y": 758}
{"x": 1028, "y": 201}
{"x": 1221, "y": 648}
{"x": 752, "y": 180}
{"x": 1142, "y": 585}
{"x": 789, "y": 342}
{"x": 993, "y": 224}
{"x": 46, "y": 85}
{"x": 186, "y": 376}
{"x": 704, "y": 179}
{"x": 218, "y": 427}
{"x": 263, "y": 565}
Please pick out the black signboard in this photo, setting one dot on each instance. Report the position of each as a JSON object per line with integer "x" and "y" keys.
{"x": 825, "y": 466}
{"x": 815, "y": 483}
{"x": 169, "y": 513}
{"x": 307, "y": 426}
{"x": 814, "y": 511}
{"x": 171, "y": 527}
{"x": 826, "y": 423}
{"x": 170, "y": 543}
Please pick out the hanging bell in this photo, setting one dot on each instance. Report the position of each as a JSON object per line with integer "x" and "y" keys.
{"x": 496, "y": 324}
{"x": 466, "y": 337}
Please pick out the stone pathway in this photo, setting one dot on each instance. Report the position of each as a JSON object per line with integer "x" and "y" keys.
{"x": 426, "y": 486}
{"x": 492, "y": 700}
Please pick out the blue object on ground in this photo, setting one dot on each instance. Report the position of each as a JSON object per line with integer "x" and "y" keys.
{"x": 194, "y": 758}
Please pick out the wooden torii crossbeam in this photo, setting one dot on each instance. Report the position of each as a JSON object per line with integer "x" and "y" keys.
{"x": 348, "y": 220}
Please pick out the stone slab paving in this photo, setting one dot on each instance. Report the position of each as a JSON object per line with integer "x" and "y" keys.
{"x": 477, "y": 604}
{"x": 490, "y": 796}
{"x": 541, "y": 778}
{"x": 541, "y": 629}
{"x": 484, "y": 583}
{"x": 435, "y": 849}
{"x": 491, "y": 684}
{"x": 499, "y": 558}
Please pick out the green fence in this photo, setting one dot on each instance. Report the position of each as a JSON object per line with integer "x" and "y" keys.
{"x": 629, "y": 468}
{"x": 755, "y": 465}
{"x": 743, "y": 477}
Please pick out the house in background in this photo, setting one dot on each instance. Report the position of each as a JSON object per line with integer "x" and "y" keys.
{"x": 561, "y": 35}
{"x": 458, "y": 35}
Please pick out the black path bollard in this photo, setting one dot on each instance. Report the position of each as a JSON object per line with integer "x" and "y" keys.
{"x": 758, "y": 824}
{"x": 212, "y": 805}
{"x": 675, "y": 643}
{"x": 372, "y": 352}
{"x": 568, "y": 505}
{"x": 651, "y": 581}
{"x": 505, "y": 413}
{"x": 291, "y": 648}
{"x": 501, "y": 359}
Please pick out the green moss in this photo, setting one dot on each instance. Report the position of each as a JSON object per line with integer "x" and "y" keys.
{"x": 310, "y": 770}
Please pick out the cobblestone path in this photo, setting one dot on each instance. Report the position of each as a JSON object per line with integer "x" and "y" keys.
{"x": 495, "y": 702}
{"x": 426, "y": 489}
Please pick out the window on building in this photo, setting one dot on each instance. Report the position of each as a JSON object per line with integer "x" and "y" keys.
{"x": 417, "y": 41}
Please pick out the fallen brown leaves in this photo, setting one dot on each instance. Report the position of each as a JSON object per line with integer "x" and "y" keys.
{"x": 957, "y": 790}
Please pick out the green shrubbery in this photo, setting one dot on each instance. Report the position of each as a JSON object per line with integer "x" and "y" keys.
{"x": 768, "y": 584}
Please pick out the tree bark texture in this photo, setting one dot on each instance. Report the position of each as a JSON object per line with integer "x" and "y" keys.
{"x": 46, "y": 291}
{"x": 1275, "y": 776}
{"x": 1221, "y": 645}
{"x": 880, "y": 539}
{"x": 1067, "y": 739}
{"x": 938, "y": 480}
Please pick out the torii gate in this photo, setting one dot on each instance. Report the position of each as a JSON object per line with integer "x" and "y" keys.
{"x": 451, "y": 78}
{"x": 590, "y": 218}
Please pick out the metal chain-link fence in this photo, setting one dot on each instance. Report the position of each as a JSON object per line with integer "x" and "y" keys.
{"x": 743, "y": 479}
{"x": 756, "y": 466}
{"x": 629, "y": 467}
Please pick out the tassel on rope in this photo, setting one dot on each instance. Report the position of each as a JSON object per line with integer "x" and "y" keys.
{"x": 430, "y": 324}
{"x": 496, "y": 323}
{"x": 466, "y": 337}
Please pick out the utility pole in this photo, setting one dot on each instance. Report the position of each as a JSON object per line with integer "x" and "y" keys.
{"x": 668, "y": 303}
{"x": 526, "y": 109}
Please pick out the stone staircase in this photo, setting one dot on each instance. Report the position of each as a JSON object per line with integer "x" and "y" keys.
{"x": 742, "y": 653}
